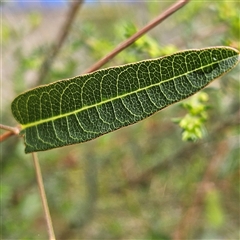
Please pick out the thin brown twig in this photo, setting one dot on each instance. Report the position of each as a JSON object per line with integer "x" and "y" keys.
{"x": 11, "y": 131}
{"x": 179, "y": 4}
{"x": 51, "y": 234}
{"x": 48, "y": 61}
{"x": 6, "y": 135}
{"x": 14, "y": 130}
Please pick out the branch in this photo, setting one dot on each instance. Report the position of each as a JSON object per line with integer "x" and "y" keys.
{"x": 6, "y": 135}
{"x": 172, "y": 9}
{"x": 51, "y": 234}
{"x": 11, "y": 131}
{"x": 47, "y": 63}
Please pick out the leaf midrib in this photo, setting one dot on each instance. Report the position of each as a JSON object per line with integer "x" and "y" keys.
{"x": 24, "y": 126}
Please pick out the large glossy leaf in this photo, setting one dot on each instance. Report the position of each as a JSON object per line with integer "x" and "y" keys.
{"x": 85, "y": 107}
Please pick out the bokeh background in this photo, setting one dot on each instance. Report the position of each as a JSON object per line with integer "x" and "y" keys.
{"x": 140, "y": 182}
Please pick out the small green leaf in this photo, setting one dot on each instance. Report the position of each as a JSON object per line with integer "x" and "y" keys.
{"x": 192, "y": 123}
{"x": 85, "y": 107}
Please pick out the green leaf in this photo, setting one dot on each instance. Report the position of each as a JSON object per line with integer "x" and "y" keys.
{"x": 85, "y": 107}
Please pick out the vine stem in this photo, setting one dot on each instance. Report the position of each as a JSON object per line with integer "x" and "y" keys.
{"x": 173, "y": 8}
{"x": 51, "y": 234}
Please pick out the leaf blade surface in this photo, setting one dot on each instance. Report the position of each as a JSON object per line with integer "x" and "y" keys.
{"x": 85, "y": 107}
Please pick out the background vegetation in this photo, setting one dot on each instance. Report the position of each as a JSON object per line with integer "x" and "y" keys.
{"x": 140, "y": 182}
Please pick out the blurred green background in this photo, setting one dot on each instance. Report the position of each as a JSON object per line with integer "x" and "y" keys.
{"x": 140, "y": 182}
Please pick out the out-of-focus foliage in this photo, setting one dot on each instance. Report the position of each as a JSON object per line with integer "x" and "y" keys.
{"x": 193, "y": 122}
{"x": 228, "y": 15}
{"x": 141, "y": 182}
